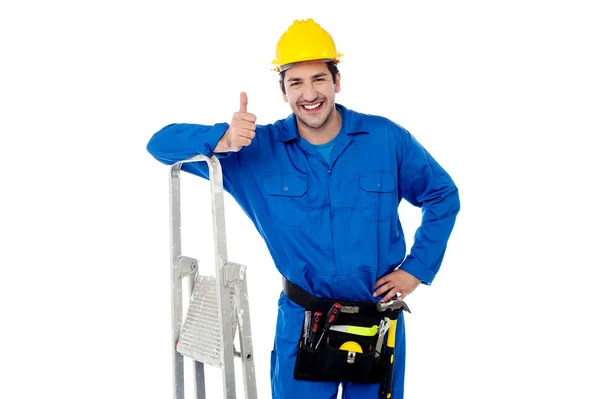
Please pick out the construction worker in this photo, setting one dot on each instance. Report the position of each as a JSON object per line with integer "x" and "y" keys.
{"x": 323, "y": 187}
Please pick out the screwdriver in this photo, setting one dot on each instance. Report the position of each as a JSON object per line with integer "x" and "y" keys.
{"x": 331, "y": 317}
{"x": 314, "y": 327}
{"x": 307, "y": 317}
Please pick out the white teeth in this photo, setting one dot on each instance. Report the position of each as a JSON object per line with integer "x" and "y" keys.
{"x": 312, "y": 106}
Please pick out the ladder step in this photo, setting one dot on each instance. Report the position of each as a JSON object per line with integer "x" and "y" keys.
{"x": 200, "y": 337}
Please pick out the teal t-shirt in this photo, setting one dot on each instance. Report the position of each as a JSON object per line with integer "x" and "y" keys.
{"x": 325, "y": 149}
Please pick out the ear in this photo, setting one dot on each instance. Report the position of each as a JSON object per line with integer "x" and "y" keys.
{"x": 282, "y": 93}
{"x": 337, "y": 83}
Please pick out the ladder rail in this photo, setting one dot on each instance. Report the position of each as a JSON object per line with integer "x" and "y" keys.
{"x": 198, "y": 367}
{"x": 245, "y": 331}
{"x": 220, "y": 246}
{"x": 177, "y": 274}
{"x": 176, "y": 286}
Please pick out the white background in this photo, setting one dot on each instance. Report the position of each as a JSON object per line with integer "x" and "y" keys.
{"x": 503, "y": 94}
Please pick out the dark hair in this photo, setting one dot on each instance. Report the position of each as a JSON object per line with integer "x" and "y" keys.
{"x": 330, "y": 65}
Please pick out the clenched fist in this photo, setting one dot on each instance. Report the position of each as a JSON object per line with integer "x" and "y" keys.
{"x": 241, "y": 130}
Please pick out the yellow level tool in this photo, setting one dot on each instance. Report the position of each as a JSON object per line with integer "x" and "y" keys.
{"x": 356, "y": 330}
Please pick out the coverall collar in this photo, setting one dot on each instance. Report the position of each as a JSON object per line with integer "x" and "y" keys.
{"x": 351, "y": 124}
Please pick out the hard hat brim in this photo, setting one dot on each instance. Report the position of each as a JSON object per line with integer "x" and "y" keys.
{"x": 282, "y": 68}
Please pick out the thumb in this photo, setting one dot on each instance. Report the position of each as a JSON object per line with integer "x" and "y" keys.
{"x": 243, "y": 102}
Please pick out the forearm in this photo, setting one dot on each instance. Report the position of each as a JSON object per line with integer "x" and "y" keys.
{"x": 177, "y": 142}
{"x": 432, "y": 237}
{"x": 223, "y": 145}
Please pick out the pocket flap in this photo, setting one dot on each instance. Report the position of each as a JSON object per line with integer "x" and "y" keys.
{"x": 382, "y": 182}
{"x": 285, "y": 184}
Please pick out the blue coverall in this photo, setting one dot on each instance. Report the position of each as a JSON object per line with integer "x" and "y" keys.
{"x": 331, "y": 228}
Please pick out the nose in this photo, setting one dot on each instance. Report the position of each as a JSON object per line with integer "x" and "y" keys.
{"x": 310, "y": 94}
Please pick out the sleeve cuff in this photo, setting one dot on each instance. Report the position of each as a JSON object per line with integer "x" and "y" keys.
{"x": 413, "y": 266}
{"x": 212, "y": 139}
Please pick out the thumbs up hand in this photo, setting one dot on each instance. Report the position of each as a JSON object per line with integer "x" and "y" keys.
{"x": 241, "y": 130}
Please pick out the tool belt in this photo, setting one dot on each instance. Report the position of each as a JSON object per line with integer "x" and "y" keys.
{"x": 353, "y": 355}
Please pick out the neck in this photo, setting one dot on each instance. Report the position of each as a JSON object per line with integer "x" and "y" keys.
{"x": 324, "y": 133}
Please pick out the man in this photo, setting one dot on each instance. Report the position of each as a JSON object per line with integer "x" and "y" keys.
{"x": 323, "y": 188}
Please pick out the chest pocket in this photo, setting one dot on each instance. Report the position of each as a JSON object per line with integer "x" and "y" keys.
{"x": 377, "y": 196}
{"x": 287, "y": 197}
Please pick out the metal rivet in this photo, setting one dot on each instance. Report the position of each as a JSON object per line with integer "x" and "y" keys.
{"x": 285, "y": 188}
{"x": 378, "y": 185}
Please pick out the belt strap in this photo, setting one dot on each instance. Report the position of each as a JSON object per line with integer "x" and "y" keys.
{"x": 311, "y": 302}
{"x": 297, "y": 294}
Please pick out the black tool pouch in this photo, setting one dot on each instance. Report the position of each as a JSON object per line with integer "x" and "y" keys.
{"x": 328, "y": 362}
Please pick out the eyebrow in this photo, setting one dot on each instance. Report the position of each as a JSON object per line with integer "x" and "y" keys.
{"x": 318, "y": 75}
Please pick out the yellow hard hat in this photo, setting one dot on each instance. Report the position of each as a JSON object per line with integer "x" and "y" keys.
{"x": 304, "y": 40}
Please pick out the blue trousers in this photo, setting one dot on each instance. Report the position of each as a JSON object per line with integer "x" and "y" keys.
{"x": 283, "y": 357}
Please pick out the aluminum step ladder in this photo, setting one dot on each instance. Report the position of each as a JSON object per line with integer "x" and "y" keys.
{"x": 218, "y": 305}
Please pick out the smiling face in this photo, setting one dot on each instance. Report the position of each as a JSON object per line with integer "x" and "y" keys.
{"x": 310, "y": 90}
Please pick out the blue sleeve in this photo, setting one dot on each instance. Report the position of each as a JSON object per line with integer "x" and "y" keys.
{"x": 179, "y": 141}
{"x": 425, "y": 184}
